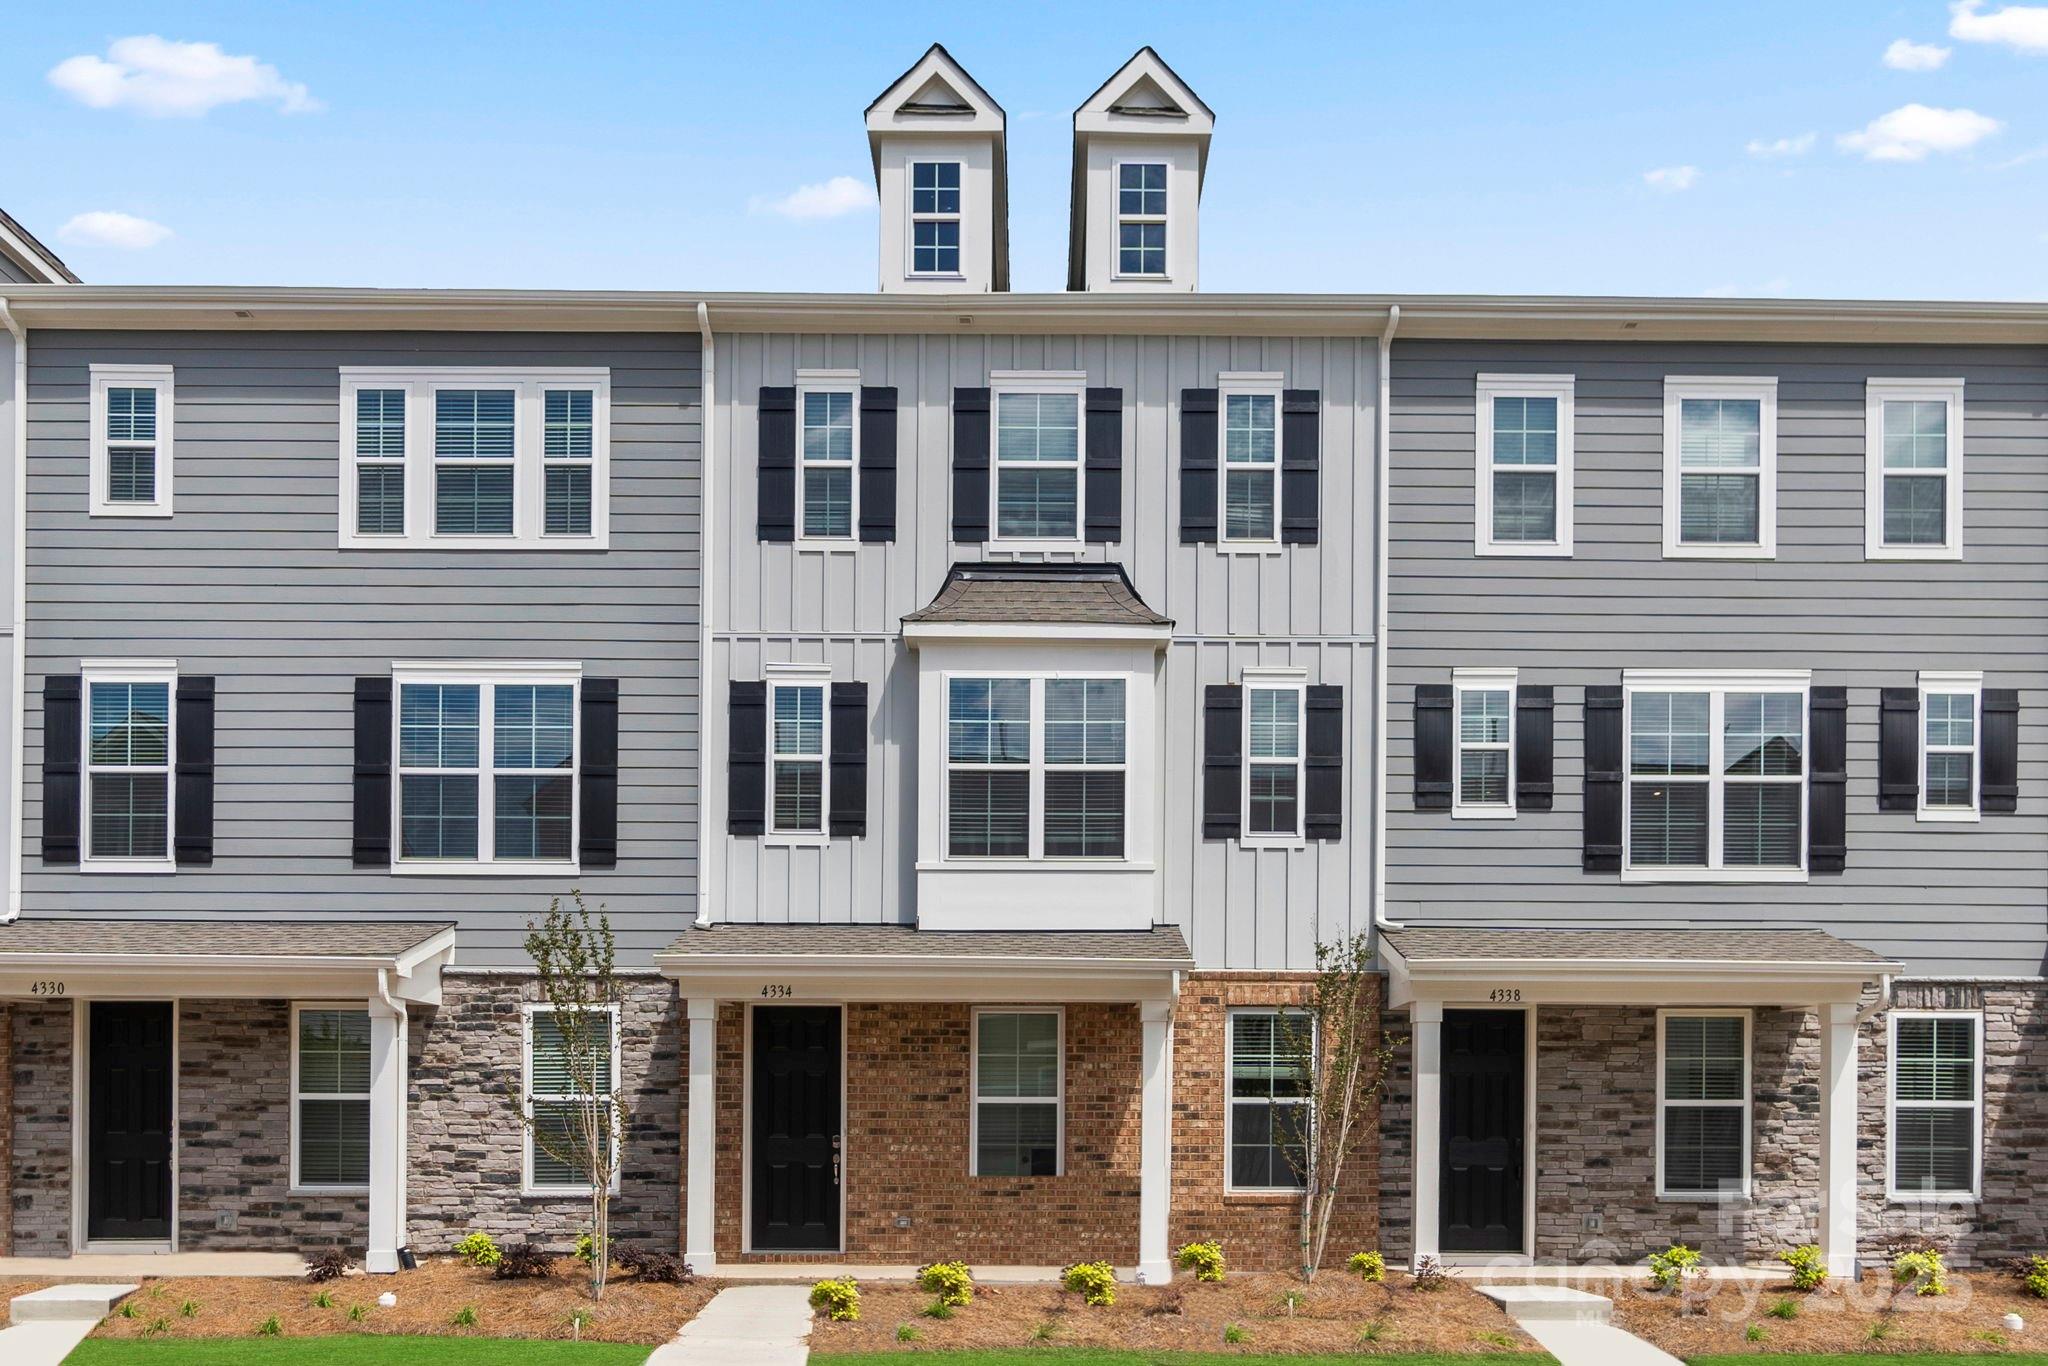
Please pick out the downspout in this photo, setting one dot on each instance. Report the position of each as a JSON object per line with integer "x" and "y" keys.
{"x": 1382, "y": 629}
{"x": 401, "y": 1195}
{"x": 1877, "y": 1007}
{"x": 18, "y": 702}
{"x": 710, "y": 841}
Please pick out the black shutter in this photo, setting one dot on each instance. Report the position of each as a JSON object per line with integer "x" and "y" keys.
{"x": 1898, "y": 750}
{"x": 1301, "y": 432}
{"x": 1432, "y": 747}
{"x": 1535, "y": 743}
{"x": 849, "y": 758}
{"x": 1104, "y": 471}
{"x": 970, "y": 466}
{"x": 1602, "y": 822}
{"x": 746, "y": 758}
{"x": 192, "y": 827}
{"x": 877, "y": 464}
{"x": 1323, "y": 801}
{"x": 1199, "y": 456}
{"x": 373, "y": 773}
{"x": 775, "y": 464}
{"x": 1827, "y": 763}
{"x": 63, "y": 727}
{"x": 598, "y": 841}
{"x": 2001, "y": 786}
{"x": 1222, "y": 761}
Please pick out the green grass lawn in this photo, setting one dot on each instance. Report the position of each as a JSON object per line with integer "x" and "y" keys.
{"x": 356, "y": 1349}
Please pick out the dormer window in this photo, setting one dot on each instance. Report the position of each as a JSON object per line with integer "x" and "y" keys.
{"x": 935, "y": 218}
{"x": 1141, "y": 218}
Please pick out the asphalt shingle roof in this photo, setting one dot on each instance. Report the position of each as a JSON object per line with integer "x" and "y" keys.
{"x": 220, "y": 938}
{"x": 1042, "y": 594}
{"x": 1160, "y": 944}
{"x": 1426, "y": 944}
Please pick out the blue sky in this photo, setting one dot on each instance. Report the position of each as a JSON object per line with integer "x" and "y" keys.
{"x": 1728, "y": 148}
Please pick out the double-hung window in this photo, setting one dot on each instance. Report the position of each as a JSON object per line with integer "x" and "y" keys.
{"x": 330, "y": 1097}
{"x": 1251, "y": 459}
{"x": 828, "y": 452}
{"x": 1037, "y": 484}
{"x": 1524, "y": 473}
{"x": 1913, "y": 488}
{"x": 1018, "y": 1093}
{"x": 1721, "y": 467}
{"x": 935, "y": 218}
{"x": 1485, "y": 734}
{"x": 486, "y": 767}
{"x": 485, "y": 458}
{"x": 128, "y": 775}
{"x": 129, "y": 453}
{"x": 1717, "y": 777}
{"x": 1950, "y": 704}
{"x": 1937, "y": 1100}
{"x": 1702, "y": 1104}
{"x": 567, "y": 1110}
{"x": 1272, "y": 747}
{"x": 1141, "y": 220}
{"x": 1270, "y": 1100}
{"x": 796, "y": 702}
{"x": 1016, "y": 747}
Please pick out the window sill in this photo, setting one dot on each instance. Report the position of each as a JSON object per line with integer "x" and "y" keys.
{"x": 1250, "y": 548}
{"x": 1929, "y": 1198}
{"x": 1142, "y": 279}
{"x": 1482, "y": 813}
{"x": 138, "y": 510}
{"x": 1001, "y": 547}
{"x": 536, "y": 868}
{"x": 1533, "y": 550}
{"x": 1912, "y": 555}
{"x": 314, "y": 1191}
{"x": 574, "y": 543}
{"x": 1733, "y": 552}
{"x": 1025, "y": 865}
{"x": 527, "y": 1192}
{"x": 795, "y": 839}
{"x": 1703, "y": 1197}
{"x": 128, "y": 867}
{"x": 1958, "y": 816}
{"x": 1273, "y": 841}
{"x": 933, "y": 275}
{"x": 1722, "y": 875}
{"x": 1278, "y": 1196}
{"x": 826, "y": 545}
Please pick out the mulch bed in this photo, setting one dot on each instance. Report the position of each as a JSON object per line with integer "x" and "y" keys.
{"x": 1187, "y": 1316}
{"x": 1836, "y": 1318}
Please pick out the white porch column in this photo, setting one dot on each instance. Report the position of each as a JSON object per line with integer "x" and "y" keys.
{"x": 1838, "y": 1138}
{"x": 387, "y": 1136}
{"x": 1155, "y": 1143}
{"x": 1427, "y": 1020}
{"x": 700, "y": 1241}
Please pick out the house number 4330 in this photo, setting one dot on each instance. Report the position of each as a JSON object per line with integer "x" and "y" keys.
{"x": 46, "y": 988}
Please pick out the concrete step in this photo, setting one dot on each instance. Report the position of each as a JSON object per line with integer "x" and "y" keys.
{"x": 1594, "y": 1344}
{"x": 1549, "y": 1303}
{"x": 78, "y": 1303}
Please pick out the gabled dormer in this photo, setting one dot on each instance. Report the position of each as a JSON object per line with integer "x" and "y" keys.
{"x": 942, "y": 171}
{"x": 1141, "y": 148}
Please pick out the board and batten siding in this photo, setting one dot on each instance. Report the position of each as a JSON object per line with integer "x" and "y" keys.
{"x": 247, "y": 583}
{"x": 1945, "y": 899}
{"x": 1305, "y": 606}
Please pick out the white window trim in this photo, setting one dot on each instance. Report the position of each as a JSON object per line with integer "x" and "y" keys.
{"x": 299, "y": 1187}
{"x": 1002, "y": 382}
{"x": 1231, "y": 1102}
{"x": 819, "y": 676}
{"x": 1744, "y": 1104}
{"x": 1480, "y": 680}
{"x": 977, "y": 1100}
{"x": 1764, "y": 389}
{"x": 1037, "y": 768}
{"x": 1876, "y": 391}
{"x": 1229, "y": 383}
{"x": 1165, "y": 220}
{"x": 1948, "y": 682}
{"x": 93, "y": 671}
{"x": 105, "y": 377}
{"x": 1892, "y": 1106}
{"x": 1292, "y": 680}
{"x": 1563, "y": 388}
{"x": 912, "y": 217}
{"x": 485, "y": 677}
{"x": 1719, "y": 684}
{"x": 527, "y": 1185}
{"x": 529, "y": 476}
{"x": 828, "y": 382}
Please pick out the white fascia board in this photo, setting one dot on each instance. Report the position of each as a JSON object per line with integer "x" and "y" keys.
{"x": 917, "y": 633}
{"x": 872, "y": 978}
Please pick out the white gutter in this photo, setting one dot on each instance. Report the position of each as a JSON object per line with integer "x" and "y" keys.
{"x": 18, "y": 615}
{"x": 1877, "y": 1007}
{"x": 1383, "y": 632}
{"x": 710, "y": 841}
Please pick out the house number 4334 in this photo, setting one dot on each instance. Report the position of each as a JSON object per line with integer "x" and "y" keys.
{"x": 775, "y": 990}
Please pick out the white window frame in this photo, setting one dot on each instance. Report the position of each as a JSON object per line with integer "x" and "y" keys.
{"x": 1231, "y": 1102}
{"x": 98, "y": 462}
{"x": 1763, "y": 389}
{"x": 829, "y": 382}
{"x": 529, "y": 465}
{"x": 94, "y": 671}
{"x": 1745, "y": 1104}
{"x": 785, "y": 677}
{"x": 1562, "y": 388}
{"x": 976, "y": 1100}
{"x": 913, "y": 217}
{"x": 1480, "y": 680}
{"x": 1164, "y": 220}
{"x": 1002, "y": 382}
{"x": 1948, "y": 683}
{"x": 1877, "y": 391}
{"x": 1292, "y": 680}
{"x": 527, "y": 1185}
{"x": 298, "y": 1186}
{"x": 1719, "y": 685}
{"x": 486, "y": 678}
{"x": 1892, "y": 1106}
{"x": 1231, "y": 384}
{"x": 1036, "y": 767}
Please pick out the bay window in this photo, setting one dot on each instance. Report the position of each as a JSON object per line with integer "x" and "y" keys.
{"x": 1050, "y": 747}
{"x": 1716, "y": 777}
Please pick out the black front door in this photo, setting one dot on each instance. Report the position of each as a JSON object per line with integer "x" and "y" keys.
{"x": 1483, "y": 1123}
{"x": 796, "y": 1129}
{"x": 128, "y": 1138}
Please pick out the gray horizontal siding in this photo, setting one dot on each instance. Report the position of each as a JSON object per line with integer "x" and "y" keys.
{"x": 247, "y": 583}
{"x": 12, "y": 273}
{"x": 1945, "y": 899}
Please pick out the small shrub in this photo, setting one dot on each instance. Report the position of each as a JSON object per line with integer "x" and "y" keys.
{"x": 1430, "y": 1276}
{"x": 952, "y": 1282}
{"x": 479, "y": 1249}
{"x": 128, "y": 1310}
{"x": 1990, "y": 1337}
{"x": 1809, "y": 1269}
{"x": 1172, "y": 1301}
{"x": 1371, "y": 1333}
{"x": 1493, "y": 1339}
{"x": 840, "y": 1299}
{"x": 1880, "y": 1330}
{"x": 465, "y": 1317}
{"x": 907, "y": 1332}
{"x": 2032, "y": 1274}
{"x": 586, "y": 1248}
{"x": 324, "y": 1300}
{"x": 1094, "y": 1282}
{"x": 655, "y": 1267}
{"x": 1233, "y": 1334}
{"x": 1370, "y": 1267}
{"x": 358, "y": 1312}
{"x": 270, "y": 1327}
{"x": 1924, "y": 1271}
{"x": 157, "y": 1326}
{"x": 1044, "y": 1331}
{"x": 1754, "y": 1333}
{"x": 189, "y": 1309}
{"x": 938, "y": 1309}
{"x": 1784, "y": 1309}
{"x": 328, "y": 1265}
{"x": 1673, "y": 1266}
{"x": 523, "y": 1262}
{"x": 1289, "y": 1301}
{"x": 579, "y": 1319}
{"x": 1204, "y": 1259}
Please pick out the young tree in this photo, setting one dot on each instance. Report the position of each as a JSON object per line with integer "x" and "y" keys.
{"x": 574, "y": 1117}
{"x": 1335, "y": 1044}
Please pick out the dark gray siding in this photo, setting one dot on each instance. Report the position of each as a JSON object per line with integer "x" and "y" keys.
{"x": 1944, "y": 898}
{"x": 12, "y": 272}
{"x": 246, "y": 583}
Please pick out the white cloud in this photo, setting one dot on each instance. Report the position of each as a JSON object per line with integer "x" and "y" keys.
{"x": 167, "y": 79}
{"x": 1672, "y": 179}
{"x": 2021, "y": 26}
{"x": 1912, "y": 131}
{"x": 1907, "y": 55}
{"x": 105, "y": 228}
{"x": 834, "y": 198}
{"x": 1782, "y": 147}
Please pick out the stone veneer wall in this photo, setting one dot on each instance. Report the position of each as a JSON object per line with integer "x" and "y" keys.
{"x": 6, "y": 1129}
{"x": 40, "y": 1129}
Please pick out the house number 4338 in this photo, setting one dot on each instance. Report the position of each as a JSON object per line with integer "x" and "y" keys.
{"x": 1505, "y": 995}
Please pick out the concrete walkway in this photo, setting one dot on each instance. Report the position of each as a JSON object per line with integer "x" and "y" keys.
{"x": 48, "y": 1323}
{"x": 744, "y": 1325}
{"x": 1573, "y": 1326}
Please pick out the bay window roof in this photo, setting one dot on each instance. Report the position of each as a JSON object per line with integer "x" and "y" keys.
{"x": 1025, "y": 594}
